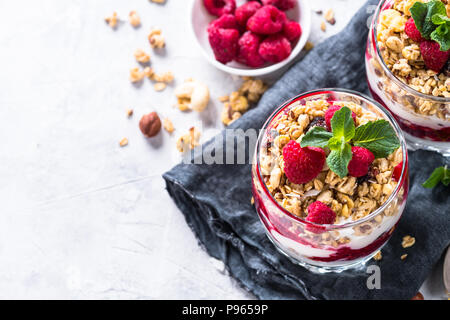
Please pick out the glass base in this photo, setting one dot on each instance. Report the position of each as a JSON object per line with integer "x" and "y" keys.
{"x": 352, "y": 265}
{"x": 417, "y": 143}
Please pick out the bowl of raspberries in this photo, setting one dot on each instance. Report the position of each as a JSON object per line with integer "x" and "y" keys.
{"x": 251, "y": 38}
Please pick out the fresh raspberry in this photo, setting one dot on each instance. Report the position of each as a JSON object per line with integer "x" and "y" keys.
{"x": 280, "y": 4}
{"x": 226, "y": 21}
{"x": 320, "y": 213}
{"x": 275, "y": 48}
{"x": 412, "y": 32}
{"x": 292, "y": 31}
{"x": 224, "y": 43}
{"x": 301, "y": 165}
{"x": 330, "y": 113}
{"x": 248, "y": 50}
{"x": 245, "y": 11}
{"x": 433, "y": 57}
{"x": 397, "y": 171}
{"x": 361, "y": 160}
{"x": 220, "y": 7}
{"x": 267, "y": 20}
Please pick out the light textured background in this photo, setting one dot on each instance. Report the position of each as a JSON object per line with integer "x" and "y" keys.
{"x": 80, "y": 217}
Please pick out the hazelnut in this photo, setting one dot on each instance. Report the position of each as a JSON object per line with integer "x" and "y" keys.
{"x": 418, "y": 296}
{"x": 150, "y": 124}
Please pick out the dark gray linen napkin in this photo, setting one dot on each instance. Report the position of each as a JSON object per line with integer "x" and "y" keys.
{"x": 215, "y": 199}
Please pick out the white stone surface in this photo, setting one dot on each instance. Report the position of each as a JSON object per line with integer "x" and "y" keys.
{"x": 81, "y": 217}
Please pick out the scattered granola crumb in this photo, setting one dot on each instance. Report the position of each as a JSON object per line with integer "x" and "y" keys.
{"x": 323, "y": 26}
{"x": 134, "y": 18}
{"x": 158, "y": 1}
{"x": 329, "y": 17}
{"x": 182, "y": 106}
{"x": 309, "y": 45}
{"x": 377, "y": 256}
{"x": 113, "y": 20}
{"x": 403, "y": 256}
{"x": 239, "y": 102}
{"x": 252, "y": 201}
{"x": 129, "y": 112}
{"x": 156, "y": 39}
{"x": 189, "y": 140}
{"x": 149, "y": 72}
{"x": 160, "y": 86}
{"x": 166, "y": 77}
{"x": 136, "y": 75}
{"x": 224, "y": 98}
{"x": 123, "y": 142}
{"x": 408, "y": 241}
{"x": 141, "y": 56}
{"x": 168, "y": 125}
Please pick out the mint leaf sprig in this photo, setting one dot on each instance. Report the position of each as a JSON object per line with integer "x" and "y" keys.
{"x": 376, "y": 136}
{"x": 432, "y": 22}
{"x": 440, "y": 174}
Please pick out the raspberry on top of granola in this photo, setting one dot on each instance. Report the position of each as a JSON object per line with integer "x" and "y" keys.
{"x": 332, "y": 175}
{"x": 414, "y": 41}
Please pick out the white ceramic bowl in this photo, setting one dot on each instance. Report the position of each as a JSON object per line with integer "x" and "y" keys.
{"x": 200, "y": 18}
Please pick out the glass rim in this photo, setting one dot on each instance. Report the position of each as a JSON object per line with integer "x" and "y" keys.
{"x": 398, "y": 131}
{"x": 401, "y": 84}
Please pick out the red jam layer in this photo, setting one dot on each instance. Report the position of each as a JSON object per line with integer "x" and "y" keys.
{"x": 347, "y": 253}
{"x": 442, "y": 135}
{"x": 282, "y": 225}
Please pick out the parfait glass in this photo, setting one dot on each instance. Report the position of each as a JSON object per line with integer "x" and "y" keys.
{"x": 424, "y": 118}
{"x": 333, "y": 247}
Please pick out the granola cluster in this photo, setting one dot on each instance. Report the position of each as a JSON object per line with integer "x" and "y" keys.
{"x": 189, "y": 140}
{"x": 113, "y": 20}
{"x": 134, "y": 18}
{"x": 329, "y": 17}
{"x": 238, "y": 102}
{"x": 137, "y": 75}
{"x": 156, "y": 39}
{"x": 403, "y": 57}
{"x": 351, "y": 198}
{"x": 141, "y": 56}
